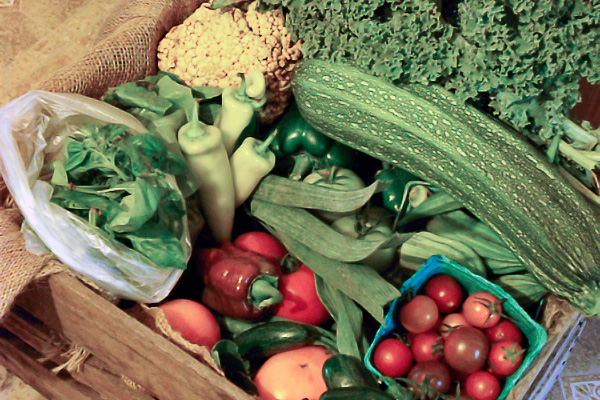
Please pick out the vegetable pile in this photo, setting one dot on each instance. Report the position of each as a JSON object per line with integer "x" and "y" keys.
{"x": 326, "y": 182}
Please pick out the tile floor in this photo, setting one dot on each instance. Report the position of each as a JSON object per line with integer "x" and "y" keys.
{"x": 38, "y": 37}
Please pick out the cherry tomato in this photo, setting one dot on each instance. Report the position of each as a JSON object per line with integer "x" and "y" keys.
{"x": 482, "y": 385}
{"x": 506, "y": 356}
{"x": 193, "y": 320}
{"x": 263, "y": 243}
{"x": 300, "y": 300}
{"x": 427, "y": 346}
{"x": 505, "y": 329}
{"x": 293, "y": 374}
{"x": 419, "y": 314}
{"x": 392, "y": 358}
{"x": 482, "y": 309}
{"x": 452, "y": 322}
{"x": 445, "y": 291}
{"x": 466, "y": 349}
{"x": 438, "y": 374}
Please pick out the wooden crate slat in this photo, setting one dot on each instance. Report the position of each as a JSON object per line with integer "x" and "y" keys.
{"x": 93, "y": 373}
{"x": 126, "y": 345}
{"x": 42, "y": 379}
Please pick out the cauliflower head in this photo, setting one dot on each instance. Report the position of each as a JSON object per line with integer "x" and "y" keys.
{"x": 213, "y": 46}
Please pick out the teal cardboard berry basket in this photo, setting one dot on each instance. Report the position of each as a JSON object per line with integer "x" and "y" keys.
{"x": 534, "y": 333}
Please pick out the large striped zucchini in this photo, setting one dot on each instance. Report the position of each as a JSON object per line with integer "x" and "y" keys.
{"x": 490, "y": 168}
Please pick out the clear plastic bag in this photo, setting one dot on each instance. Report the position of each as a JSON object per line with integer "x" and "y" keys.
{"x": 32, "y": 130}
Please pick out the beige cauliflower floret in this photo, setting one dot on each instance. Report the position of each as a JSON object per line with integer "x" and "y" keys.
{"x": 211, "y": 47}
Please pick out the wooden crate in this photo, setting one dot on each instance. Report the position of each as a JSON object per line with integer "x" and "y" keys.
{"x": 59, "y": 309}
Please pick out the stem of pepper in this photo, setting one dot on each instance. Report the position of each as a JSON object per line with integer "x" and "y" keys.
{"x": 303, "y": 163}
{"x": 264, "y": 293}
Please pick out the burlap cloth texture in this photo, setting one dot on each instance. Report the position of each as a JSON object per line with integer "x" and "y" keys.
{"x": 125, "y": 50}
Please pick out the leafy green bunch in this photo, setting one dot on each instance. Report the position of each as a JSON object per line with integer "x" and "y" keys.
{"x": 119, "y": 182}
{"x": 520, "y": 59}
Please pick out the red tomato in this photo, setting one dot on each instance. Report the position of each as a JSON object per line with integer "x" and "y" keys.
{"x": 300, "y": 300}
{"x": 438, "y": 374}
{"x": 419, "y": 314}
{"x": 505, "y": 329}
{"x": 427, "y": 346}
{"x": 482, "y": 309}
{"x": 506, "y": 356}
{"x": 293, "y": 374}
{"x": 445, "y": 291}
{"x": 263, "y": 243}
{"x": 392, "y": 358}
{"x": 193, "y": 320}
{"x": 466, "y": 350}
{"x": 452, "y": 322}
{"x": 482, "y": 385}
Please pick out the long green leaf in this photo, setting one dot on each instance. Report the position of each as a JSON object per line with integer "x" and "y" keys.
{"x": 439, "y": 203}
{"x": 347, "y": 315}
{"x": 360, "y": 283}
{"x": 319, "y": 237}
{"x": 289, "y": 192}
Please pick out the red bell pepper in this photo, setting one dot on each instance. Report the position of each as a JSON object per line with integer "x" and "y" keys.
{"x": 239, "y": 283}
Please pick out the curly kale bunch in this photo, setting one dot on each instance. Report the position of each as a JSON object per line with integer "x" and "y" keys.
{"x": 525, "y": 57}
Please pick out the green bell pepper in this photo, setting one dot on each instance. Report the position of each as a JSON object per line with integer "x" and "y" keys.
{"x": 393, "y": 195}
{"x": 295, "y": 134}
{"x": 309, "y": 148}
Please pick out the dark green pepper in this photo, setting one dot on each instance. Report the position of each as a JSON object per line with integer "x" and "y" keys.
{"x": 343, "y": 370}
{"x": 355, "y": 393}
{"x": 393, "y": 194}
{"x": 295, "y": 135}
{"x": 338, "y": 155}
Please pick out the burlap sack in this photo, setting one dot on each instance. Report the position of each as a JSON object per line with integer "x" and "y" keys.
{"x": 125, "y": 48}
{"x": 17, "y": 265}
{"x": 125, "y": 51}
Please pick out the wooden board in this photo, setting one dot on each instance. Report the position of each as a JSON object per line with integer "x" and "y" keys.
{"x": 123, "y": 345}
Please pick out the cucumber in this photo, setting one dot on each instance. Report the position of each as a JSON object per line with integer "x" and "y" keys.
{"x": 269, "y": 338}
{"x": 343, "y": 370}
{"x": 498, "y": 176}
